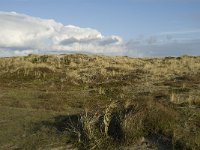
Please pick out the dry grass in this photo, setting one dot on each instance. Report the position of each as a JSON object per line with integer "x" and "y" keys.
{"x": 119, "y": 101}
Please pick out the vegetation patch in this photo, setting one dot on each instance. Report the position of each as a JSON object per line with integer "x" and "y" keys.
{"x": 98, "y": 102}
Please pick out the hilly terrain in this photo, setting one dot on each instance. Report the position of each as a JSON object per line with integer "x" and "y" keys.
{"x": 76, "y": 101}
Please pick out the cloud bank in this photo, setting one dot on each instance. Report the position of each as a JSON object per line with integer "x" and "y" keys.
{"x": 22, "y": 34}
{"x": 165, "y": 44}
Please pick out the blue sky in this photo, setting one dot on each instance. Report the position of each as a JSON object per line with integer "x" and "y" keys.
{"x": 132, "y": 20}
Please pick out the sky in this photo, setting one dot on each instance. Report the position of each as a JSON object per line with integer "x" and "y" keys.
{"x": 111, "y": 27}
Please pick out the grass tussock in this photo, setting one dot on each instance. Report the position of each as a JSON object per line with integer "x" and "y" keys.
{"x": 99, "y": 102}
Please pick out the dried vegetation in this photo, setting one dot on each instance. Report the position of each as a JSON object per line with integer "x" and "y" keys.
{"x": 99, "y": 102}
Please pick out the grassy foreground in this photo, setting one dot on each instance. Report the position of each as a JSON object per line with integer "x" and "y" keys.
{"x": 99, "y": 102}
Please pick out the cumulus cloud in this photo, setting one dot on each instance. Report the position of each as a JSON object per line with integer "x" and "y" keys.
{"x": 22, "y": 34}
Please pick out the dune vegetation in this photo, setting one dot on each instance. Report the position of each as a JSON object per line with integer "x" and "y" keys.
{"x": 78, "y": 101}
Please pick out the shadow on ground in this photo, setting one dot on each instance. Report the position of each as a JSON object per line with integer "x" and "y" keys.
{"x": 73, "y": 126}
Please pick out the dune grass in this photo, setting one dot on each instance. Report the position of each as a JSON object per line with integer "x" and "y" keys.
{"x": 98, "y": 102}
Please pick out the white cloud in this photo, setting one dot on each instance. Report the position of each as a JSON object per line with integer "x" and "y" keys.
{"x": 22, "y": 34}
